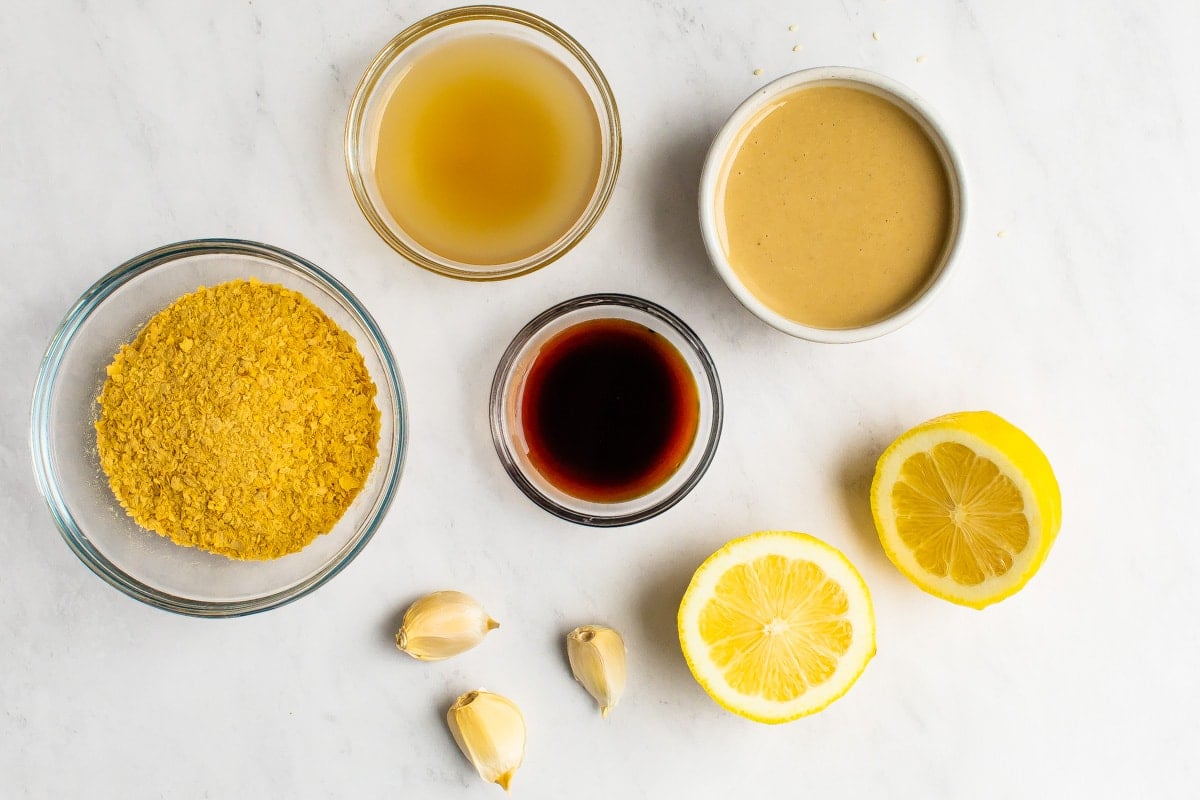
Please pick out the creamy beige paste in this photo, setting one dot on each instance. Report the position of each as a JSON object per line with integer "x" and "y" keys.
{"x": 835, "y": 207}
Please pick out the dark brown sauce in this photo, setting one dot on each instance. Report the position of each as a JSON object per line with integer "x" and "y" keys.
{"x": 609, "y": 410}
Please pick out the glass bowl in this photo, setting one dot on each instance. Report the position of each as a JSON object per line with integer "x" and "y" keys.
{"x": 141, "y": 563}
{"x": 385, "y": 71}
{"x": 508, "y": 387}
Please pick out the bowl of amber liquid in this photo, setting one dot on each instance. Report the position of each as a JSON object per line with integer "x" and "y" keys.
{"x": 606, "y": 410}
{"x": 483, "y": 143}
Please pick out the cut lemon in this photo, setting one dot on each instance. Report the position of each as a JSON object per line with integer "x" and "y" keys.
{"x": 776, "y": 625}
{"x": 966, "y": 506}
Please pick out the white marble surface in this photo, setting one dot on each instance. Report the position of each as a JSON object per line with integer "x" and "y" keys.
{"x": 124, "y": 125}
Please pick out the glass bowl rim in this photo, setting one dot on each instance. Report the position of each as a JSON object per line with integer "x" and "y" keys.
{"x": 47, "y": 377}
{"x": 504, "y": 375}
{"x": 365, "y": 91}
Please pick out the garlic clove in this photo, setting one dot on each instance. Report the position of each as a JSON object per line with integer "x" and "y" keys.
{"x": 597, "y": 656}
{"x": 490, "y": 731}
{"x": 443, "y": 624}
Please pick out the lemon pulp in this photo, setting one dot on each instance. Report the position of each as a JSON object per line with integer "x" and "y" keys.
{"x": 959, "y": 514}
{"x": 776, "y": 627}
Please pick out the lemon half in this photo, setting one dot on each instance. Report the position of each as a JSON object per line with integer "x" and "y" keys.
{"x": 776, "y": 625}
{"x": 966, "y": 506}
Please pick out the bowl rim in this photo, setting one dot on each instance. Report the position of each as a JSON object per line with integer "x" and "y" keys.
{"x": 908, "y": 101}
{"x": 505, "y": 372}
{"x": 606, "y": 112}
{"x": 48, "y": 373}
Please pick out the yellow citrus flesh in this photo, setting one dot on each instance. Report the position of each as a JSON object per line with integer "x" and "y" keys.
{"x": 776, "y": 625}
{"x": 966, "y": 506}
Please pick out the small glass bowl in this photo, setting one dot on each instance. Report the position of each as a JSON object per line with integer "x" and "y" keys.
{"x": 377, "y": 84}
{"x": 141, "y": 563}
{"x": 508, "y": 387}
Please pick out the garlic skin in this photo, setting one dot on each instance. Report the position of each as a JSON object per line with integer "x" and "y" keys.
{"x": 490, "y": 731}
{"x": 597, "y": 656}
{"x": 443, "y": 624}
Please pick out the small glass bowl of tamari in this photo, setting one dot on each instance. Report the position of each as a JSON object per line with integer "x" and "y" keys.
{"x": 141, "y": 563}
{"x": 606, "y": 410}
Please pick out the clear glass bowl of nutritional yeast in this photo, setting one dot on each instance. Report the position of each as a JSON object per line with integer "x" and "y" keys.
{"x": 395, "y": 61}
{"x": 142, "y": 564}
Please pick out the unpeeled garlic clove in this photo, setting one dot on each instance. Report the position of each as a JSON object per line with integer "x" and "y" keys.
{"x": 597, "y": 656}
{"x": 490, "y": 731}
{"x": 443, "y": 624}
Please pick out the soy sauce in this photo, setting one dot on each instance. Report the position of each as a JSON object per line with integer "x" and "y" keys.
{"x": 609, "y": 410}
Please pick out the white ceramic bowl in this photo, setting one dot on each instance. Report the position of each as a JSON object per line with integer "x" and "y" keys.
{"x": 721, "y": 150}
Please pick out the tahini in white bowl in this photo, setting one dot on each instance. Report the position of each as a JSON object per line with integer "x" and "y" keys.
{"x": 726, "y": 144}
